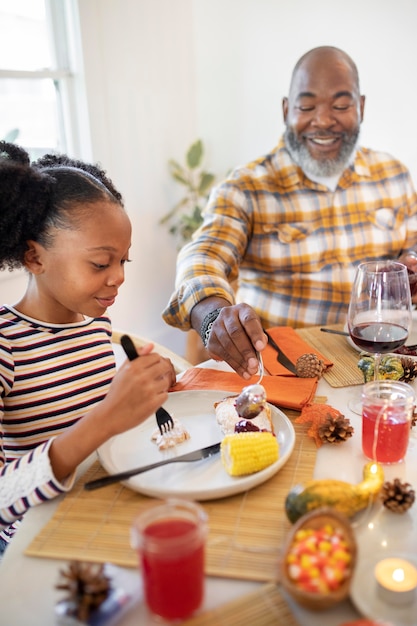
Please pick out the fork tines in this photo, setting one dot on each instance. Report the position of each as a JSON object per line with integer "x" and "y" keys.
{"x": 164, "y": 420}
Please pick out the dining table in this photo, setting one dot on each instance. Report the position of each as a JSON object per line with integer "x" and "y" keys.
{"x": 31, "y": 565}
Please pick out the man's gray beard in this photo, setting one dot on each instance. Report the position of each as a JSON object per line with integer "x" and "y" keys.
{"x": 313, "y": 167}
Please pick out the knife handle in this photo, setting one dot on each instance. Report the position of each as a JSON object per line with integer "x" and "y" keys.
{"x": 115, "y": 478}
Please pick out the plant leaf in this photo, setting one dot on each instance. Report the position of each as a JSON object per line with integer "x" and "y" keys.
{"x": 206, "y": 181}
{"x": 173, "y": 164}
{"x": 180, "y": 179}
{"x": 195, "y": 154}
{"x": 175, "y": 167}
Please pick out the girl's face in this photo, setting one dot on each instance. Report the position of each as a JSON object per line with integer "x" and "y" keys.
{"x": 80, "y": 274}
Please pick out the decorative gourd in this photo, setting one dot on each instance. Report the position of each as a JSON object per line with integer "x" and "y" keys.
{"x": 390, "y": 367}
{"x": 342, "y": 496}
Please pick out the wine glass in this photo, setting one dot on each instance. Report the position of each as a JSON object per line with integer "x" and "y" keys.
{"x": 379, "y": 315}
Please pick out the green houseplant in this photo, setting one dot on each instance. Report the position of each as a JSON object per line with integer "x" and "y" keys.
{"x": 186, "y": 216}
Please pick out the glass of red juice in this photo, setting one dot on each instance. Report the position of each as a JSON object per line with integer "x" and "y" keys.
{"x": 387, "y": 409}
{"x": 170, "y": 541}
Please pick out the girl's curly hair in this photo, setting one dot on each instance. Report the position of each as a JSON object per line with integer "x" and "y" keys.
{"x": 51, "y": 192}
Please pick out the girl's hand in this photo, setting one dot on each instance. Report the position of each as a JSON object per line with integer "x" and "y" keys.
{"x": 147, "y": 349}
{"x": 172, "y": 374}
{"x": 138, "y": 389}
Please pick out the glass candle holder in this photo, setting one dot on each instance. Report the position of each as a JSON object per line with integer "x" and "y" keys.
{"x": 170, "y": 541}
{"x": 387, "y": 409}
{"x": 396, "y": 581}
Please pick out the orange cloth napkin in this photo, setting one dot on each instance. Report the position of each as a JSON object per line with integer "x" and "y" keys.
{"x": 283, "y": 388}
{"x": 292, "y": 346}
{"x": 291, "y": 393}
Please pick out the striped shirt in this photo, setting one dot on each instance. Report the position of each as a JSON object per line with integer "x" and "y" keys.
{"x": 289, "y": 246}
{"x": 50, "y": 376}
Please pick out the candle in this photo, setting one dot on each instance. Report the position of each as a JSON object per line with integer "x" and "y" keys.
{"x": 396, "y": 580}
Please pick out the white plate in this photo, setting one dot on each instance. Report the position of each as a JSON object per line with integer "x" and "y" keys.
{"x": 411, "y": 340}
{"x": 198, "y": 480}
{"x": 363, "y": 592}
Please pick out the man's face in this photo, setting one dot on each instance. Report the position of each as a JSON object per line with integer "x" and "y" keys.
{"x": 323, "y": 114}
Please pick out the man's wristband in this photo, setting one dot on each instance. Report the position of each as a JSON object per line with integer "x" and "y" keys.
{"x": 207, "y": 325}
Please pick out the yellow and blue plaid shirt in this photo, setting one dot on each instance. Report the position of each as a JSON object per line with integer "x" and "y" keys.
{"x": 288, "y": 246}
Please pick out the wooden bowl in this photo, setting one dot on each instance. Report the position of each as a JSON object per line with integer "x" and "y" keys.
{"x": 316, "y": 519}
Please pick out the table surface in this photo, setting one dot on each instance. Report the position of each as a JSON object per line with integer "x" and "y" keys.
{"x": 28, "y": 596}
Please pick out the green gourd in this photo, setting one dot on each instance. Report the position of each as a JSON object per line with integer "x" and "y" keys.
{"x": 342, "y": 496}
{"x": 390, "y": 367}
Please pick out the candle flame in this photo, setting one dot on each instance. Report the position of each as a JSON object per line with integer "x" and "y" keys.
{"x": 398, "y": 575}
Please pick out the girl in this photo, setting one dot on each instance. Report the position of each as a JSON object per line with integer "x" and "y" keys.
{"x": 64, "y": 222}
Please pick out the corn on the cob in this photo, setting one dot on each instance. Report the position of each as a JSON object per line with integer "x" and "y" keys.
{"x": 247, "y": 453}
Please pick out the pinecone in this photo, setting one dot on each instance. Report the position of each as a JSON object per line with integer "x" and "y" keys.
{"x": 335, "y": 429}
{"x": 397, "y": 496}
{"x": 309, "y": 366}
{"x": 410, "y": 369}
{"x": 87, "y": 587}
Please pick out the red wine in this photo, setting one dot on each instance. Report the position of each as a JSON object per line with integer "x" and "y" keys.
{"x": 378, "y": 337}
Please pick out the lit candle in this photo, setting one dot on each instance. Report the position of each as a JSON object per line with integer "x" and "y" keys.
{"x": 396, "y": 580}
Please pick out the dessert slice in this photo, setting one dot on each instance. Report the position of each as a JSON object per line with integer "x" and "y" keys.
{"x": 172, "y": 437}
{"x": 228, "y": 417}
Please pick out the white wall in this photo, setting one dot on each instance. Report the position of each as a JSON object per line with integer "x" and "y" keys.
{"x": 245, "y": 52}
{"x": 161, "y": 73}
{"x": 139, "y": 69}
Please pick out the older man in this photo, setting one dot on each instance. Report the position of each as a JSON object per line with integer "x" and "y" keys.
{"x": 290, "y": 228}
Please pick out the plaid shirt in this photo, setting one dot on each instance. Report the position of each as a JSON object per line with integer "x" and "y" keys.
{"x": 290, "y": 246}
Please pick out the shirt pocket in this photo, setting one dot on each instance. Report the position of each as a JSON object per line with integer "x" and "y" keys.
{"x": 290, "y": 232}
{"x": 386, "y": 218}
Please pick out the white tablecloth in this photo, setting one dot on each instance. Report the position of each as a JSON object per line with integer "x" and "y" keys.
{"x": 28, "y": 597}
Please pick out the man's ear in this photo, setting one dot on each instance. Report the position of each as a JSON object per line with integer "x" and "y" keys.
{"x": 362, "y": 107}
{"x": 33, "y": 257}
{"x": 285, "y": 108}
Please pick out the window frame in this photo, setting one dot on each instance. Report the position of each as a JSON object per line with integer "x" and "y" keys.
{"x": 67, "y": 75}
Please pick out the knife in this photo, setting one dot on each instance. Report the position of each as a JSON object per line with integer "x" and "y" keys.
{"x": 334, "y": 332}
{"x": 196, "y": 455}
{"x": 281, "y": 358}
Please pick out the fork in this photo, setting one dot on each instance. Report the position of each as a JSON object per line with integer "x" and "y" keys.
{"x": 163, "y": 418}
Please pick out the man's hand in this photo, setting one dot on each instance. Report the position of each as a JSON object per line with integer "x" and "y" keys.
{"x": 409, "y": 259}
{"x": 235, "y": 337}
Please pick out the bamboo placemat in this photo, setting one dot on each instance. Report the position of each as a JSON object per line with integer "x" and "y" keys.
{"x": 265, "y": 607}
{"x": 246, "y": 531}
{"x": 344, "y": 371}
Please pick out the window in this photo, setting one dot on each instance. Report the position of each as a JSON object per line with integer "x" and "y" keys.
{"x": 41, "y": 93}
